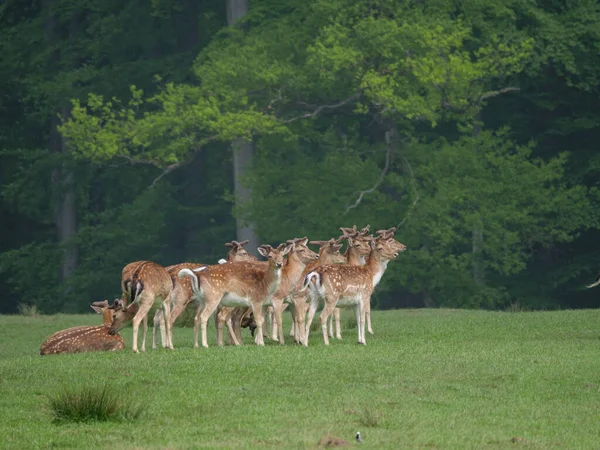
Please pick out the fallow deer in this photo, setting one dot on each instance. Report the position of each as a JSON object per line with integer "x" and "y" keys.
{"x": 236, "y": 284}
{"x": 183, "y": 294}
{"x": 345, "y": 285}
{"x": 298, "y": 257}
{"x": 329, "y": 253}
{"x": 143, "y": 283}
{"x": 85, "y": 338}
{"x": 357, "y": 250}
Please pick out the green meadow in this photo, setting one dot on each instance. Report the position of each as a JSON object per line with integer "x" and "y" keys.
{"x": 428, "y": 379}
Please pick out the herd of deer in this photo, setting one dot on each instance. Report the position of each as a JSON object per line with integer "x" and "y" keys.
{"x": 242, "y": 290}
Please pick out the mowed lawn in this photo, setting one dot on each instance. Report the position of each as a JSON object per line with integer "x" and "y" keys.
{"x": 428, "y": 379}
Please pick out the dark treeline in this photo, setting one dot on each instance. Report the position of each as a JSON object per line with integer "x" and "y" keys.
{"x": 161, "y": 129}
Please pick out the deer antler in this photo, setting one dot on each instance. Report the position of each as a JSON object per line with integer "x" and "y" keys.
{"x": 103, "y": 304}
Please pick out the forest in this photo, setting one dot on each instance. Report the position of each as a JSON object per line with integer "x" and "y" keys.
{"x": 162, "y": 129}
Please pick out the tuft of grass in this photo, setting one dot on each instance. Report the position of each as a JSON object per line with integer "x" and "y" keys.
{"x": 369, "y": 417}
{"x": 93, "y": 403}
{"x": 27, "y": 310}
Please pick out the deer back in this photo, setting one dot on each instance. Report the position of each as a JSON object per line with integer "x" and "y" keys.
{"x": 82, "y": 339}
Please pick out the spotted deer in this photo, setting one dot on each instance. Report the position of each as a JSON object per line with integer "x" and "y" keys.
{"x": 143, "y": 283}
{"x": 329, "y": 253}
{"x": 85, "y": 338}
{"x": 346, "y": 286}
{"x": 357, "y": 250}
{"x": 236, "y": 284}
{"x": 291, "y": 274}
{"x": 183, "y": 294}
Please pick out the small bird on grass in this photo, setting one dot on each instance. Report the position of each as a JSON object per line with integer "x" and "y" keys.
{"x": 358, "y": 438}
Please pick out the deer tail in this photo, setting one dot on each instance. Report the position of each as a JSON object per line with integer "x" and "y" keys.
{"x": 310, "y": 277}
{"x": 193, "y": 277}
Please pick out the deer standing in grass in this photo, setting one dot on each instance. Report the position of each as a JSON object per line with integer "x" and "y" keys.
{"x": 345, "y": 285}
{"x": 85, "y": 338}
{"x": 291, "y": 276}
{"x": 329, "y": 253}
{"x": 236, "y": 284}
{"x": 357, "y": 250}
{"x": 143, "y": 283}
{"x": 182, "y": 292}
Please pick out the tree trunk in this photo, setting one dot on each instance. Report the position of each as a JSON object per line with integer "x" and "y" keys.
{"x": 65, "y": 208}
{"x": 65, "y": 212}
{"x": 243, "y": 151}
{"x": 477, "y": 234}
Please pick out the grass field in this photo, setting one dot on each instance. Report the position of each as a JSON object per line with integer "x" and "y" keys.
{"x": 428, "y": 379}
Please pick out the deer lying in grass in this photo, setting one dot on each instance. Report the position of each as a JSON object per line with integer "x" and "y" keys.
{"x": 236, "y": 284}
{"x": 85, "y": 338}
{"x": 345, "y": 285}
{"x": 329, "y": 253}
{"x": 183, "y": 294}
{"x": 143, "y": 283}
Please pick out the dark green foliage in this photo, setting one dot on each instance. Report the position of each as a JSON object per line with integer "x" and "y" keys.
{"x": 94, "y": 404}
{"x": 471, "y": 125}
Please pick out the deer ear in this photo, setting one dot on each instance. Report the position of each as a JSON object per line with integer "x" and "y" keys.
{"x": 97, "y": 309}
{"x": 289, "y": 248}
{"x": 230, "y": 244}
{"x": 303, "y": 241}
{"x": 263, "y": 251}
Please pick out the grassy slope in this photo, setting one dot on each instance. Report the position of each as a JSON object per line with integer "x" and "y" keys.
{"x": 429, "y": 378}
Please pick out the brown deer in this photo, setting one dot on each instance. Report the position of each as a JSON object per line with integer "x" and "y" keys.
{"x": 183, "y": 294}
{"x": 329, "y": 253}
{"x": 85, "y": 338}
{"x": 298, "y": 257}
{"x": 357, "y": 250}
{"x": 345, "y": 285}
{"x": 143, "y": 283}
{"x": 236, "y": 284}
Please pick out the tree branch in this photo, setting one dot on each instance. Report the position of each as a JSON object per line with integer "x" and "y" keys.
{"x": 491, "y": 94}
{"x": 388, "y": 157}
{"x": 321, "y": 108}
{"x": 414, "y": 185}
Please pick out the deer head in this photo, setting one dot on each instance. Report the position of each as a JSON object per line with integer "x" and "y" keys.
{"x": 275, "y": 255}
{"x": 330, "y": 251}
{"x": 106, "y": 311}
{"x": 238, "y": 252}
{"x": 305, "y": 254}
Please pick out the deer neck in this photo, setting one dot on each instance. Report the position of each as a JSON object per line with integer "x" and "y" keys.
{"x": 377, "y": 266}
{"x": 292, "y": 271}
{"x": 107, "y": 317}
{"x": 272, "y": 278}
{"x": 354, "y": 257}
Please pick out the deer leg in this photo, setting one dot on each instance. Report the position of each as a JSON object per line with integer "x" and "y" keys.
{"x": 237, "y": 323}
{"x": 367, "y": 307}
{"x": 139, "y": 316}
{"x": 166, "y": 306}
{"x": 144, "y": 332}
{"x": 158, "y": 322}
{"x": 314, "y": 303}
{"x": 259, "y": 320}
{"x": 219, "y": 321}
{"x": 278, "y": 310}
{"x": 325, "y": 315}
{"x": 210, "y": 304}
{"x": 232, "y": 338}
{"x": 360, "y": 321}
{"x": 199, "y": 309}
{"x": 338, "y": 324}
